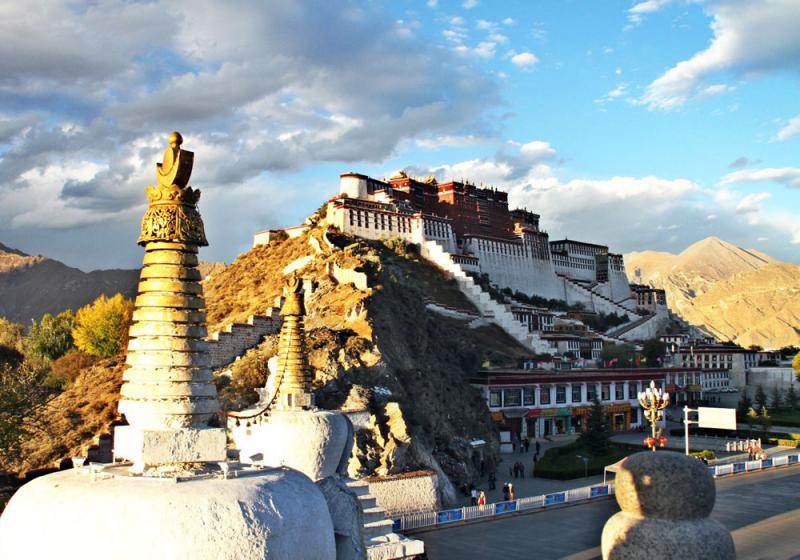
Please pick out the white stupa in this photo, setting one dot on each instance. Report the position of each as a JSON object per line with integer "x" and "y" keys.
{"x": 176, "y": 497}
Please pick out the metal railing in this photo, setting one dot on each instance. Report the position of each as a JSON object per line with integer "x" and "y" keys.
{"x": 470, "y": 513}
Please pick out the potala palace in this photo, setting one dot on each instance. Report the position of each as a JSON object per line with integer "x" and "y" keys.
{"x": 470, "y": 232}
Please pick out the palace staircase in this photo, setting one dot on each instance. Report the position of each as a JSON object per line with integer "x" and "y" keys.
{"x": 234, "y": 340}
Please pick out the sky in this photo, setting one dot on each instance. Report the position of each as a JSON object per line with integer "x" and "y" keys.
{"x": 637, "y": 124}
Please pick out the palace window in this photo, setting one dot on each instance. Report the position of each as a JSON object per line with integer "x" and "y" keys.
{"x": 512, "y": 397}
{"x": 606, "y": 392}
{"x": 591, "y": 392}
{"x": 528, "y": 396}
{"x": 576, "y": 393}
{"x": 544, "y": 395}
{"x": 619, "y": 392}
{"x": 561, "y": 394}
{"x": 495, "y": 397}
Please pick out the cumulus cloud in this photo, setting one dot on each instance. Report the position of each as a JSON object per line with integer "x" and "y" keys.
{"x": 524, "y": 60}
{"x": 791, "y": 129}
{"x": 638, "y": 11}
{"x": 96, "y": 89}
{"x": 789, "y": 176}
{"x": 751, "y": 37}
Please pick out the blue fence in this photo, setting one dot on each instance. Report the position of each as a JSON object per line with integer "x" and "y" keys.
{"x": 446, "y": 517}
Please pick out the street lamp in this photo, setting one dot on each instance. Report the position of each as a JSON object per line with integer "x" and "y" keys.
{"x": 653, "y": 401}
{"x": 585, "y": 465}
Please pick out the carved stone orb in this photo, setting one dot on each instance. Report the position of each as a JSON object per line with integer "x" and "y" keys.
{"x": 666, "y": 499}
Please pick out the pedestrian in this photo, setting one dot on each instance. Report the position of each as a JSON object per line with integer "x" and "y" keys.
{"x": 510, "y": 471}
{"x": 473, "y": 495}
{"x": 533, "y": 467}
{"x": 538, "y": 447}
{"x": 506, "y": 491}
{"x": 482, "y": 498}
{"x": 492, "y": 481}
{"x": 527, "y": 445}
{"x": 510, "y": 493}
{"x": 521, "y": 470}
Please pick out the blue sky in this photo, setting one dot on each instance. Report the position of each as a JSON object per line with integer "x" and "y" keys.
{"x": 643, "y": 125}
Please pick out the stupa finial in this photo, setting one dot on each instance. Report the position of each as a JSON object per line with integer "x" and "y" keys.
{"x": 295, "y": 384}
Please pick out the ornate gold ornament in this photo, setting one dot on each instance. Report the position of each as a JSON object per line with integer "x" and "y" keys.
{"x": 172, "y": 214}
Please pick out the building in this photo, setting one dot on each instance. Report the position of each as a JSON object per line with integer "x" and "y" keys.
{"x": 537, "y": 403}
{"x": 648, "y": 297}
{"x": 479, "y": 232}
{"x": 734, "y": 359}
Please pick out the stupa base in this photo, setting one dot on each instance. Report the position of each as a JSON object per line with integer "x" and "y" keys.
{"x": 277, "y": 515}
{"x": 154, "y": 447}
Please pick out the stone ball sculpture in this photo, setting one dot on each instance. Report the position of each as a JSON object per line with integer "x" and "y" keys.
{"x": 666, "y": 499}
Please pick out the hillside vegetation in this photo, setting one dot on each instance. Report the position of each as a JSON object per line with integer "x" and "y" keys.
{"x": 736, "y": 294}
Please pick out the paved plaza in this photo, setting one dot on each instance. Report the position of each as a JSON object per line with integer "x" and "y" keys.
{"x": 760, "y": 509}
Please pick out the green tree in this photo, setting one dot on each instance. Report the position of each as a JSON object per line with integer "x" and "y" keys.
{"x": 761, "y": 397}
{"x": 20, "y": 394}
{"x": 618, "y": 355}
{"x": 796, "y": 365}
{"x": 744, "y": 406}
{"x": 652, "y": 350}
{"x": 790, "y": 400}
{"x": 751, "y": 418}
{"x": 776, "y": 398}
{"x": 50, "y": 338}
{"x": 101, "y": 328}
{"x": 597, "y": 434}
{"x": 764, "y": 421}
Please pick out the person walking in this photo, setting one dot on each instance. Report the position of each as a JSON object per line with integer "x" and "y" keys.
{"x": 482, "y": 498}
{"x": 533, "y": 467}
{"x": 473, "y": 495}
{"x": 492, "y": 481}
{"x": 510, "y": 493}
{"x": 538, "y": 447}
{"x": 506, "y": 491}
{"x": 527, "y": 444}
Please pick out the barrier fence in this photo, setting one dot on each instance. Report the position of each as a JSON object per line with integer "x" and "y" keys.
{"x": 586, "y": 493}
{"x": 469, "y": 513}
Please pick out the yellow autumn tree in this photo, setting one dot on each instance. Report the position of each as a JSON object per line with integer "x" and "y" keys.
{"x": 101, "y": 328}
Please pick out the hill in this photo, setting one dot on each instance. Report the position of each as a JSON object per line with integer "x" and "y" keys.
{"x": 736, "y": 294}
{"x": 31, "y": 286}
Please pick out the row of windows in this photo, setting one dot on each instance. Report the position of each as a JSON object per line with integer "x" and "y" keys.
{"x": 436, "y": 229}
{"x": 512, "y": 249}
{"x": 532, "y": 396}
{"x": 363, "y": 218}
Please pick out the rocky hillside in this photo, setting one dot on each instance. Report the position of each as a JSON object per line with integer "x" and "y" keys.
{"x": 736, "y": 294}
{"x": 31, "y": 286}
{"x": 379, "y": 348}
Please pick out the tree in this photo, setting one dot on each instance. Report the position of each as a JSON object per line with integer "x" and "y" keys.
{"x": 764, "y": 421}
{"x": 101, "y": 328}
{"x": 51, "y": 338}
{"x": 618, "y": 355}
{"x": 756, "y": 348}
{"x": 597, "y": 434}
{"x": 20, "y": 394}
{"x": 776, "y": 398}
{"x": 761, "y": 397}
{"x": 652, "y": 350}
{"x": 796, "y": 366}
{"x": 744, "y": 406}
{"x": 790, "y": 400}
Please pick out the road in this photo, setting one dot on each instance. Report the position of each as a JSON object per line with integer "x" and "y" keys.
{"x": 761, "y": 510}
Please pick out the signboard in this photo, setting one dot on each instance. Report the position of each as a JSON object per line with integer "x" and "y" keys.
{"x": 551, "y": 499}
{"x": 719, "y": 418}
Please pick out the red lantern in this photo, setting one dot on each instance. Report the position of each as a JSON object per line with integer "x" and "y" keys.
{"x": 648, "y": 441}
{"x": 662, "y": 441}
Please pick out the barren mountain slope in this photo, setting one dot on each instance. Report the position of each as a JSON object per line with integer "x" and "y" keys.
{"x": 737, "y": 294}
{"x": 32, "y": 286}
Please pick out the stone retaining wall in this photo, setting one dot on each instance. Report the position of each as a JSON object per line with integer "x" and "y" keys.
{"x": 234, "y": 340}
{"x": 406, "y": 493}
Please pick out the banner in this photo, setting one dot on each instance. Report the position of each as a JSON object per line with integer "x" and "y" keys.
{"x": 719, "y": 418}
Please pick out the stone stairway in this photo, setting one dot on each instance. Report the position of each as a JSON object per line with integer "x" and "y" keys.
{"x": 618, "y": 332}
{"x": 589, "y": 291}
{"x": 498, "y": 313}
{"x": 381, "y": 543}
{"x": 234, "y": 340}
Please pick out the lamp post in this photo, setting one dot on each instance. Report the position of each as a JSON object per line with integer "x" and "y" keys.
{"x": 585, "y": 465}
{"x": 653, "y": 401}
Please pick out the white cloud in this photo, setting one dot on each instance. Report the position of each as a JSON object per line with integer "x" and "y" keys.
{"x": 637, "y": 12}
{"x": 432, "y": 3}
{"x": 509, "y": 21}
{"x": 608, "y": 50}
{"x": 789, "y": 176}
{"x": 524, "y": 60}
{"x": 484, "y": 49}
{"x": 751, "y": 37}
{"x": 537, "y": 151}
{"x": 469, "y": 4}
{"x": 791, "y": 129}
{"x": 752, "y": 202}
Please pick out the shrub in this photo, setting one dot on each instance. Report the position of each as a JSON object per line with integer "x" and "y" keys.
{"x": 20, "y": 394}
{"x": 101, "y": 328}
{"x": 706, "y": 454}
{"x": 65, "y": 369}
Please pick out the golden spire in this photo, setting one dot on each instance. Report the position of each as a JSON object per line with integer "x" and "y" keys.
{"x": 293, "y": 369}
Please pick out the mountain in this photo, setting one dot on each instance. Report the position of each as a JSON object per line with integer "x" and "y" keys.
{"x": 31, "y": 286}
{"x": 736, "y": 294}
